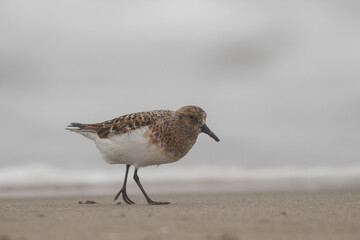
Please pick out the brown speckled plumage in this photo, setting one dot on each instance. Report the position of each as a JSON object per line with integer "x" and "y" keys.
{"x": 127, "y": 123}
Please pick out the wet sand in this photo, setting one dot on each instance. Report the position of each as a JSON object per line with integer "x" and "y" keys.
{"x": 299, "y": 215}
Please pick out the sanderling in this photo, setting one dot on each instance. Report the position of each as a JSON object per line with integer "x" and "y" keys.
{"x": 146, "y": 138}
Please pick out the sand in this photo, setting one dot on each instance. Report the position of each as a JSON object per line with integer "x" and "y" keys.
{"x": 229, "y": 216}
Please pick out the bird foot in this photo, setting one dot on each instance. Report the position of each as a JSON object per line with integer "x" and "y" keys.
{"x": 151, "y": 202}
{"x": 124, "y": 196}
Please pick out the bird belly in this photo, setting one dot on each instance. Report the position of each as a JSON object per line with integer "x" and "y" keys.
{"x": 131, "y": 148}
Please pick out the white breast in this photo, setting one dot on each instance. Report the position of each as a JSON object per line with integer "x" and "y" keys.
{"x": 131, "y": 148}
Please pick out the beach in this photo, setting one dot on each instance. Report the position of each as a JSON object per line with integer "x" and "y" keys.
{"x": 326, "y": 214}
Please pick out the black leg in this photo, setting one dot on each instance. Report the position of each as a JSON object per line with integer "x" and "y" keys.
{"x": 123, "y": 189}
{"x": 151, "y": 202}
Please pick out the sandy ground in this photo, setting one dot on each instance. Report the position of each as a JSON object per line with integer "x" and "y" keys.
{"x": 235, "y": 216}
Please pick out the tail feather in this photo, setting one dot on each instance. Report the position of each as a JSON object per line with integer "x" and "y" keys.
{"x": 84, "y": 129}
{"x": 79, "y": 126}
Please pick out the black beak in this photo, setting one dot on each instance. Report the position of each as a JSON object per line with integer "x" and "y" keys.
{"x": 206, "y": 130}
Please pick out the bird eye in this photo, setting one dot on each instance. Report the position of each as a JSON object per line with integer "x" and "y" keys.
{"x": 191, "y": 117}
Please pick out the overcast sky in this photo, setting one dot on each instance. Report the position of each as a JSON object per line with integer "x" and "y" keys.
{"x": 280, "y": 81}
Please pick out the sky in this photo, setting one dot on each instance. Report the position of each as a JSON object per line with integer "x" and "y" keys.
{"x": 280, "y": 80}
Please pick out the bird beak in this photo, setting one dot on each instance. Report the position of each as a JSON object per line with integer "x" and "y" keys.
{"x": 206, "y": 130}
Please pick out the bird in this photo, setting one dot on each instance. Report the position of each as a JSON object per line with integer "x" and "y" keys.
{"x": 146, "y": 138}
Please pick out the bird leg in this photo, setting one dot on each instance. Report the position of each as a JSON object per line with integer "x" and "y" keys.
{"x": 151, "y": 202}
{"x": 123, "y": 189}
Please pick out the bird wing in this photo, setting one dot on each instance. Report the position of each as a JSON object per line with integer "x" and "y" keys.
{"x": 121, "y": 125}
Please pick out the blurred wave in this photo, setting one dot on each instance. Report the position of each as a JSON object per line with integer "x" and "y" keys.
{"x": 47, "y": 180}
